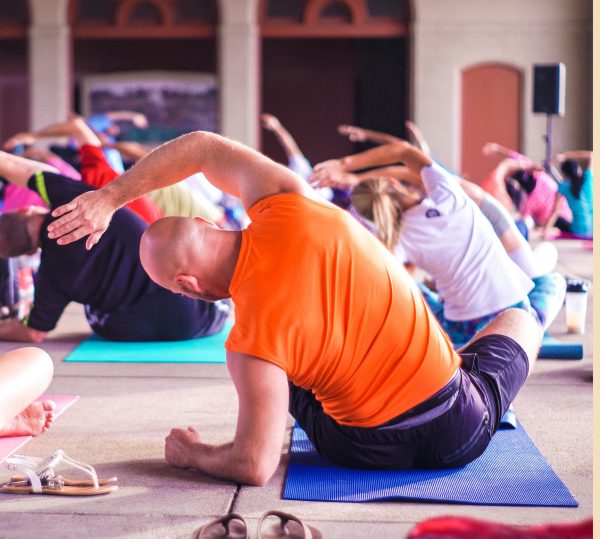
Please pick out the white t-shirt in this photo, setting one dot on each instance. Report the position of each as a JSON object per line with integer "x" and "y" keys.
{"x": 448, "y": 236}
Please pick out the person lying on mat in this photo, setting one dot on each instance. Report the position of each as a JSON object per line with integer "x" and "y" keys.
{"x": 121, "y": 302}
{"x": 328, "y": 323}
{"x": 430, "y": 220}
{"x": 25, "y": 373}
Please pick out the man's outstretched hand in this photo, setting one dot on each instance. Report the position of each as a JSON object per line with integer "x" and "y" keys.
{"x": 87, "y": 215}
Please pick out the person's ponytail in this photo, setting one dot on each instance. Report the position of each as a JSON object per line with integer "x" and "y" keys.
{"x": 379, "y": 202}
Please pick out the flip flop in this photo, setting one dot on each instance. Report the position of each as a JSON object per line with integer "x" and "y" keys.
{"x": 231, "y": 526}
{"x": 40, "y": 477}
{"x": 289, "y": 527}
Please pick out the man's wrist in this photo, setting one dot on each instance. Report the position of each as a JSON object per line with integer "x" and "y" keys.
{"x": 114, "y": 196}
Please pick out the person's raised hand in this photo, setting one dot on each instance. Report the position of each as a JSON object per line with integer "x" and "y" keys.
{"x": 269, "y": 121}
{"x": 324, "y": 170}
{"x": 87, "y": 215}
{"x": 330, "y": 174}
{"x": 24, "y": 138}
{"x": 355, "y": 134}
{"x": 489, "y": 148}
{"x": 140, "y": 120}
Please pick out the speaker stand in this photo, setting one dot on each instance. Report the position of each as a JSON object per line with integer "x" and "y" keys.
{"x": 548, "y": 140}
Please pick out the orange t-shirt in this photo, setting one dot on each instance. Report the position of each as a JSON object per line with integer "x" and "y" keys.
{"x": 319, "y": 296}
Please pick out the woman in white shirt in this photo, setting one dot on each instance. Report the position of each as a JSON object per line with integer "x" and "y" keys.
{"x": 425, "y": 217}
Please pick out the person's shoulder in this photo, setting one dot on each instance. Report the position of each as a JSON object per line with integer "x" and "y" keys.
{"x": 288, "y": 202}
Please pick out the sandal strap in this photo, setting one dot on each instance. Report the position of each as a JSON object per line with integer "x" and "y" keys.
{"x": 40, "y": 471}
{"x": 20, "y": 465}
{"x": 224, "y": 521}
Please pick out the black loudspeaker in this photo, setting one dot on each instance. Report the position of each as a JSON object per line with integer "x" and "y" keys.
{"x": 549, "y": 89}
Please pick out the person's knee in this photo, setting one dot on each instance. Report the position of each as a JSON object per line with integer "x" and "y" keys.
{"x": 35, "y": 366}
{"x": 44, "y": 367}
{"x": 518, "y": 321}
{"x": 523, "y": 328}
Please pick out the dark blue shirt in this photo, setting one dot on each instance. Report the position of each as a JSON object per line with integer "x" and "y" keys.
{"x": 110, "y": 277}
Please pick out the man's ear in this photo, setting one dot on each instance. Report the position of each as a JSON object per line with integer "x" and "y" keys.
{"x": 188, "y": 281}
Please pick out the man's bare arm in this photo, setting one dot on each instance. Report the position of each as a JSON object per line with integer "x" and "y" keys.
{"x": 230, "y": 166}
{"x": 254, "y": 454}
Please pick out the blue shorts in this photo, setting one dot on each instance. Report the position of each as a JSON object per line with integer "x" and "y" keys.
{"x": 492, "y": 372}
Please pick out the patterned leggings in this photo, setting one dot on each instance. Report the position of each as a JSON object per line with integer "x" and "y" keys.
{"x": 544, "y": 302}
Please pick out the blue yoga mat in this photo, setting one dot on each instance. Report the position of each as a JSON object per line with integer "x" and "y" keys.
{"x": 205, "y": 350}
{"x": 512, "y": 471}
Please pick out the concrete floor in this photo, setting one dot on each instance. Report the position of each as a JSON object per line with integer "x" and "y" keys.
{"x": 125, "y": 411}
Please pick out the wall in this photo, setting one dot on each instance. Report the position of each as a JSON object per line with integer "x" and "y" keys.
{"x": 14, "y": 93}
{"x": 309, "y": 86}
{"x": 451, "y": 36}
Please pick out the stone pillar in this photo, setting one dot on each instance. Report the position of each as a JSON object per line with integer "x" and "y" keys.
{"x": 239, "y": 70}
{"x": 49, "y": 62}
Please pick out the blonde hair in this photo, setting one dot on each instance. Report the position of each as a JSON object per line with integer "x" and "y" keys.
{"x": 378, "y": 201}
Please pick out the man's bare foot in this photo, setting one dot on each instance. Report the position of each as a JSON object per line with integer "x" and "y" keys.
{"x": 35, "y": 419}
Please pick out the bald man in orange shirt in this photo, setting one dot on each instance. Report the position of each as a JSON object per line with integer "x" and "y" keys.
{"x": 328, "y": 324}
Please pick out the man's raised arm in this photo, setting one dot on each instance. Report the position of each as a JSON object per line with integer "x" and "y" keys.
{"x": 230, "y": 166}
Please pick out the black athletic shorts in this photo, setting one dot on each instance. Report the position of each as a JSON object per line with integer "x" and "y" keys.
{"x": 493, "y": 370}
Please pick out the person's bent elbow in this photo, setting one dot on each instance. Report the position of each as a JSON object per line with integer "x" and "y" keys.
{"x": 259, "y": 471}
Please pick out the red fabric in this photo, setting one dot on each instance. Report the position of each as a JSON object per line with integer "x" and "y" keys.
{"x": 470, "y": 528}
{"x": 96, "y": 172}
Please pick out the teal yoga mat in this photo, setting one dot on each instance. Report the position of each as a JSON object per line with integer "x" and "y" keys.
{"x": 205, "y": 350}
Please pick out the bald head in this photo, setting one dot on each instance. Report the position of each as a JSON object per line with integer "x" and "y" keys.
{"x": 186, "y": 256}
{"x": 165, "y": 246}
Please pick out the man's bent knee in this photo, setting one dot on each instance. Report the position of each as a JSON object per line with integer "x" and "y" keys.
{"x": 522, "y": 327}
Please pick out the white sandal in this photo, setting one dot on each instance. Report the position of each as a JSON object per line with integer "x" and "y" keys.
{"x": 39, "y": 477}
